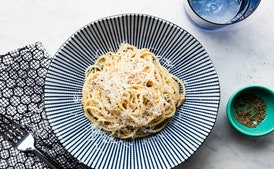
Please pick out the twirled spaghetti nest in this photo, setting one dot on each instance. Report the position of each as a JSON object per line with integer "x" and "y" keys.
{"x": 129, "y": 93}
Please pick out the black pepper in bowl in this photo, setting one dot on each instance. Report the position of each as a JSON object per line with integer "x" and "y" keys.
{"x": 250, "y": 110}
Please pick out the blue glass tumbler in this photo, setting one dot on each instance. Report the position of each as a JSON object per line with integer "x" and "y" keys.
{"x": 214, "y": 14}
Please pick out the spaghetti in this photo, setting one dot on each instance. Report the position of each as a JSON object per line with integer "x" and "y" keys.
{"x": 129, "y": 94}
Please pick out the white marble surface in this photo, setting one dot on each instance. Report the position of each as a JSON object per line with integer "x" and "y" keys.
{"x": 242, "y": 54}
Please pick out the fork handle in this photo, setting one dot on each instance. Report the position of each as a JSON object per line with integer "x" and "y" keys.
{"x": 49, "y": 162}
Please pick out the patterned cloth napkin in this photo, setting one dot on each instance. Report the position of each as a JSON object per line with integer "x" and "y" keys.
{"x": 22, "y": 78}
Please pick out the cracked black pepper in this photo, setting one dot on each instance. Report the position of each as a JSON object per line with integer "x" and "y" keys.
{"x": 250, "y": 110}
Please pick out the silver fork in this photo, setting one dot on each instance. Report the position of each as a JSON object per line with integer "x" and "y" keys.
{"x": 19, "y": 137}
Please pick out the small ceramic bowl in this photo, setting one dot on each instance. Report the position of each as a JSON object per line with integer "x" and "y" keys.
{"x": 265, "y": 126}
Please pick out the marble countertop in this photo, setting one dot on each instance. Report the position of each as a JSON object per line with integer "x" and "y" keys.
{"x": 242, "y": 54}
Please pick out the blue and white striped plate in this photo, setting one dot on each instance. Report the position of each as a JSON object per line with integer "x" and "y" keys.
{"x": 179, "y": 51}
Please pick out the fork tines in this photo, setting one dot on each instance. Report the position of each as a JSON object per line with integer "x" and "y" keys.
{"x": 10, "y": 130}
